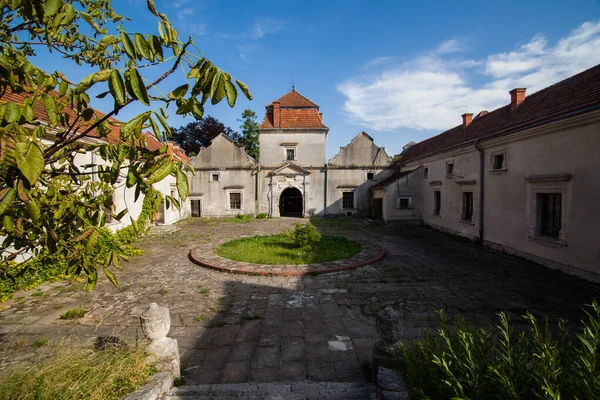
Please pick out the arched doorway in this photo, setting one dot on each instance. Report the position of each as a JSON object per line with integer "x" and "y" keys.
{"x": 290, "y": 203}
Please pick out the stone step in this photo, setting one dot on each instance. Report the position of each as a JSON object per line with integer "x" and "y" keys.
{"x": 276, "y": 391}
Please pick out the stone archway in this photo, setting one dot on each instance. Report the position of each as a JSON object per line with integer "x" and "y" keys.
{"x": 290, "y": 203}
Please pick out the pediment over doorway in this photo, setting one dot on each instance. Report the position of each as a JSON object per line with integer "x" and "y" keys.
{"x": 290, "y": 169}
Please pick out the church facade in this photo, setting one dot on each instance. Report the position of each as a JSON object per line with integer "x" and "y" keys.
{"x": 292, "y": 176}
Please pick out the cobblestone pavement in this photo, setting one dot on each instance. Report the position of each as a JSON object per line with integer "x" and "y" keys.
{"x": 237, "y": 328}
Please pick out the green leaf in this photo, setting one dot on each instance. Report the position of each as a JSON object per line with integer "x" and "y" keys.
{"x": 9, "y": 226}
{"x": 117, "y": 87}
{"x": 90, "y": 20}
{"x": 215, "y": 83}
{"x": 34, "y": 210}
{"x": 132, "y": 76}
{"x": 128, "y": 46}
{"x": 8, "y": 195}
{"x": 50, "y": 107}
{"x": 244, "y": 88}
{"x": 179, "y": 92}
{"x": 30, "y": 161}
{"x": 62, "y": 88}
{"x": 90, "y": 246}
{"x": 111, "y": 277}
{"x": 92, "y": 280}
{"x": 182, "y": 183}
{"x": 155, "y": 129}
{"x": 164, "y": 123}
{"x": 51, "y": 7}
{"x": 156, "y": 47}
{"x": 152, "y": 7}
{"x": 164, "y": 169}
{"x": 12, "y": 113}
{"x": 220, "y": 91}
{"x": 142, "y": 47}
{"x": 135, "y": 123}
{"x": 231, "y": 92}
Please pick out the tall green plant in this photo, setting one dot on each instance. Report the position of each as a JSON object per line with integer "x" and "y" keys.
{"x": 462, "y": 362}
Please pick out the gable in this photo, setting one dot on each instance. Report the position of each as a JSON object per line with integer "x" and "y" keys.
{"x": 290, "y": 169}
{"x": 222, "y": 153}
{"x": 361, "y": 151}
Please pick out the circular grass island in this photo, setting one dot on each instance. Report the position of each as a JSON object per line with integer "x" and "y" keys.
{"x": 280, "y": 249}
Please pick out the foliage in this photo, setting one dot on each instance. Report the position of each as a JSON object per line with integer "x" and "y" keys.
{"x": 75, "y": 313}
{"x": 469, "y": 363}
{"x": 39, "y": 343}
{"x": 249, "y": 137}
{"x": 304, "y": 237}
{"x": 281, "y": 249}
{"x": 79, "y": 373}
{"x": 262, "y": 216}
{"x": 198, "y": 134}
{"x": 49, "y": 202}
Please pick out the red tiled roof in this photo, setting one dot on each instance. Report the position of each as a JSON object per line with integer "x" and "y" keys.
{"x": 294, "y": 99}
{"x": 294, "y": 118}
{"x": 576, "y": 94}
{"x": 113, "y": 136}
{"x": 296, "y": 112}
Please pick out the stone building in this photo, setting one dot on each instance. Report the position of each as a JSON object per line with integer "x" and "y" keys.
{"x": 524, "y": 178}
{"x": 292, "y": 177}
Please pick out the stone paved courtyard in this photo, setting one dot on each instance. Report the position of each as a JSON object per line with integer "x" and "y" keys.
{"x": 237, "y": 328}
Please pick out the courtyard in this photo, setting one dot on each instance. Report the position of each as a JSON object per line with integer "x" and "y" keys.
{"x": 241, "y": 328}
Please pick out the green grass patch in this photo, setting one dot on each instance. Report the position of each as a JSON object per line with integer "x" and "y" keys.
{"x": 79, "y": 373}
{"x": 39, "y": 343}
{"x": 75, "y": 313}
{"x": 280, "y": 249}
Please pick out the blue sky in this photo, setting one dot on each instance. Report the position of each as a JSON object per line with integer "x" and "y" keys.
{"x": 398, "y": 70}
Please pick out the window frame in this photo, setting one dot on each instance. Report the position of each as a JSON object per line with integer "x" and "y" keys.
{"x": 493, "y": 156}
{"x": 453, "y": 166}
{"x": 399, "y": 202}
{"x": 213, "y": 174}
{"x": 353, "y": 192}
{"x": 540, "y": 214}
{"x": 436, "y": 211}
{"x": 229, "y": 204}
{"x": 290, "y": 148}
{"x": 547, "y": 184}
{"x": 372, "y": 178}
{"x": 463, "y": 218}
{"x": 426, "y": 172}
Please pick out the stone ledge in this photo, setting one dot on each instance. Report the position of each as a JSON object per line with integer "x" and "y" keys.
{"x": 159, "y": 384}
{"x": 205, "y": 256}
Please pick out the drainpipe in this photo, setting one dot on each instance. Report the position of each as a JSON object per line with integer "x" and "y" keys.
{"x": 271, "y": 202}
{"x": 325, "y": 196}
{"x": 303, "y": 195}
{"x": 481, "y": 191}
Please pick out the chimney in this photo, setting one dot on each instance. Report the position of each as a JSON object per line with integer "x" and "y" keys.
{"x": 517, "y": 96}
{"x": 467, "y": 119}
{"x": 321, "y": 116}
{"x": 276, "y": 115}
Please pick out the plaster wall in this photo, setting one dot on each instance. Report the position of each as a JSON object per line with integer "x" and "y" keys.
{"x": 214, "y": 195}
{"x": 310, "y": 148}
{"x": 411, "y": 186}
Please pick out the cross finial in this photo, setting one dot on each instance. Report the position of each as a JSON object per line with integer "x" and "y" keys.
{"x": 293, "y": 86}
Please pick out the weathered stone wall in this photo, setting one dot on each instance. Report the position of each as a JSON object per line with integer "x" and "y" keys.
{"x": 407, "y": 186}
{"x": 309, "y": 145}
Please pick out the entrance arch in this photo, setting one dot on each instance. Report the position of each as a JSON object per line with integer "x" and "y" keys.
{"x": 290, "y": 203}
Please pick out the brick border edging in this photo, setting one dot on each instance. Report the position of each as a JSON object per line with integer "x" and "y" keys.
{"x": 262, "y": 272}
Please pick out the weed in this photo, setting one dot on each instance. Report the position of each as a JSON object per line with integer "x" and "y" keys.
{"x": 205, "y": 291}
{"x": 163, "y": 291}
{"x": 200, "y": 317}
{"x": 39, "y": 343}
{"x": 262, "y": 216}
{"x": 21, "y": 342}
{"x": 212, "y": 309}
{"x": 20, "y": 300}
{"x": 75, "y": 313}
{"x": 37, "y": 293}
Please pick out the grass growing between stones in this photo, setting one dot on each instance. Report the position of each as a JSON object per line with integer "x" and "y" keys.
{"x": 79, "y": 373}
{"x": 280, "y": 249}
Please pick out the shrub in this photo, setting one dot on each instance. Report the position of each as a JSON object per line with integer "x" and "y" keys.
{"x": 243, "y": 217}
{"x": 469, "y": 363}
{"x": 304, "y": 237}
{"x": 75, "y": 313}
{"x": 262, "y": 216}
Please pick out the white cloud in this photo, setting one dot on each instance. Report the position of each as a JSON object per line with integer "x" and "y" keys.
{"x": 184, "y": 12}
{"x": 197, "y": 29}
{"x": 377, "y": 61}
{"x": 266, "y": 26}
{"x": 451, "y": 46}
{"x": 432, "y": 91}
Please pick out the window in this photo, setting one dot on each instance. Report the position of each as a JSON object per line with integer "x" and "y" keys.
{"x": 425, "y": 172}
{"x": 450, "y": 168}
{"x": 348, "y": 200}
{"x": 437, "y": 202}
{"x": 498, "y": 161}
{"x": 370, "y": 176}
{"x": 196, "y": 208}
{"x": 549, "y": 214}
{"x": 404, "y": 203}
{"x": 214, "y": 176}
{"x": 173, "y": 191}
{"x": 235, "y": 201}
{"x": 467, "y": 207}
{"x": 290, "y": 154}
